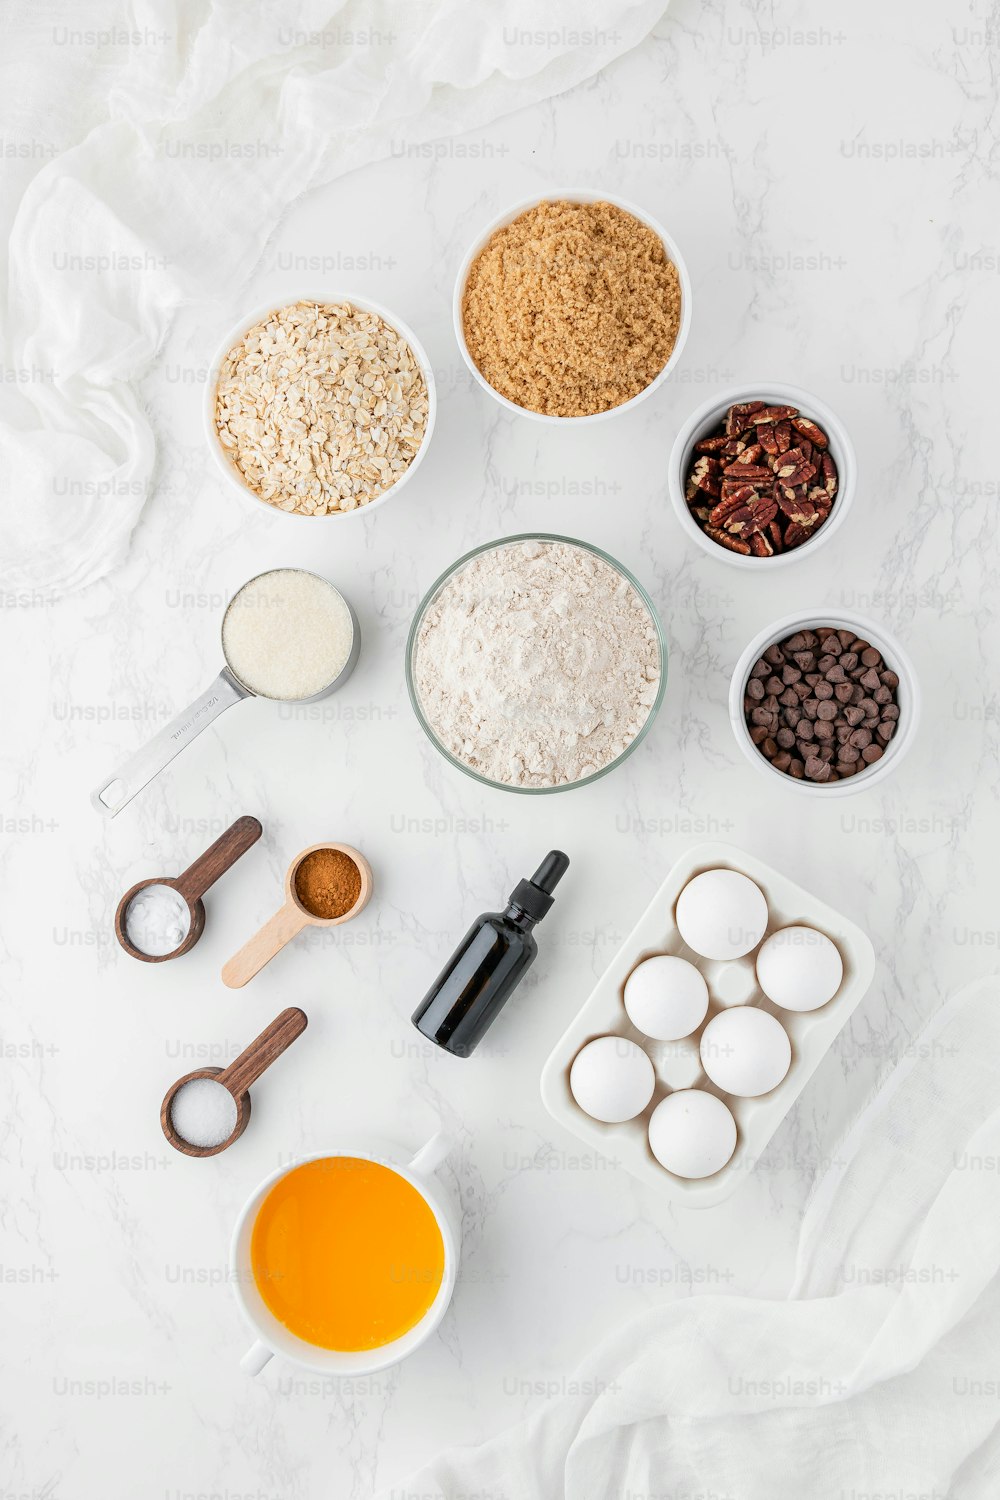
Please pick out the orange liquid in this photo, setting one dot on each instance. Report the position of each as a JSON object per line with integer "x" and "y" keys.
{"x": 346, "y": 1253}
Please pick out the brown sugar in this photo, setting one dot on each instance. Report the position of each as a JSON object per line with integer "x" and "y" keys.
{"x": 328, "y": 883}
{"x": 572, "y": 309}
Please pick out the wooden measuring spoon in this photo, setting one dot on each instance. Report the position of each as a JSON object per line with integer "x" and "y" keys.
{"x": 192, "y": 885}
{"x": 237, "y": 1078}
{"x": 290, "y": 919}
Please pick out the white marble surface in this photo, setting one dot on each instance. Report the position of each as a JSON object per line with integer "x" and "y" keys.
{"x": 832, "y": 185}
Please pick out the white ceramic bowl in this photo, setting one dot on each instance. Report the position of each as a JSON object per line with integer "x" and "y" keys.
{"x": 907, "y": 696}
{"x": 272, "y": 1337}
{"x": 225, "y": 464}
{"x": 669, "y": 245}
{"x": 708, "y": 416}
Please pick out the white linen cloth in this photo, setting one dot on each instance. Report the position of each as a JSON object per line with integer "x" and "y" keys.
{"x": 878, "y": 1378}
{"x": 150, "y": 151}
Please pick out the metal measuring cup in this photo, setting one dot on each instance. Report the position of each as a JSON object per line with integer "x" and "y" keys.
{"x": 227, "y": 689}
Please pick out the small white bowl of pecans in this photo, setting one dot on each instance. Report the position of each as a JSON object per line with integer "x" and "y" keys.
{"x": 320, "y": 406}
{"x": 762, "y": 475}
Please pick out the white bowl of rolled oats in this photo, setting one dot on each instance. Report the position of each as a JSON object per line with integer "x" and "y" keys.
{"x": 320, "y": 406}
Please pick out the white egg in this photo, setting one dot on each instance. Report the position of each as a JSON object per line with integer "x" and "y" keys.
{"x": 799, "y": 968}
{"x": 666, "y": 997}
{"x": 721, "y": 914}
{"x": 692, "y": 1134}
{"x": 612, "y": 1079}
{"x": 745, "y": 1051}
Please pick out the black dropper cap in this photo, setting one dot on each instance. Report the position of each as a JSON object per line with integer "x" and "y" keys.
{"x": 534, "y": 896}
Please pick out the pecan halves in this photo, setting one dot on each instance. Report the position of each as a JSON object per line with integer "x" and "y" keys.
{"x": 763, "y": 482}
{"x": 731, "y": 543}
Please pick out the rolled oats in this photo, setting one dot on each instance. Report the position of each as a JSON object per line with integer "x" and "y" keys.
{"x": 321, "y": 407}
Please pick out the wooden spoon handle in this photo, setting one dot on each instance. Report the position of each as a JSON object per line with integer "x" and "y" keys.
{"x": 264, "y": 944}
{"x": 261, "y": 1052}
{"x": 217, "y": 858}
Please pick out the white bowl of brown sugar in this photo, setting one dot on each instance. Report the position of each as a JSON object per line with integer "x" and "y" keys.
{"x": 573, "y": 307}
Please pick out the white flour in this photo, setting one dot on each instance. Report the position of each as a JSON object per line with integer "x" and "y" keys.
{"x": 537, "y": 664}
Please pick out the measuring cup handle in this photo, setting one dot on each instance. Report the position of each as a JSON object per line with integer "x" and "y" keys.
{"x": 217, "y": 858}
{"x": 262, "y": 947}
{"x": 263, "y": 1050}
{"x": 112, "y": 795}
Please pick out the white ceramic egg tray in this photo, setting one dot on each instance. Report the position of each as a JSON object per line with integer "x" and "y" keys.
{"x": 678, "y": 1064}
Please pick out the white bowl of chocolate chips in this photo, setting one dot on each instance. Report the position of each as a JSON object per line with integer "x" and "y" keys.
{"x": 826, "y": 701}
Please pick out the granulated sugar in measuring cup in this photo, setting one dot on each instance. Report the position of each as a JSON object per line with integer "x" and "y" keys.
{"x": 288, "y": 635}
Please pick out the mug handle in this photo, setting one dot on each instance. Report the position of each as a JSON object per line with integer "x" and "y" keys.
{"x": 255, "y": 1358}
{"x": 430, "y": 1156}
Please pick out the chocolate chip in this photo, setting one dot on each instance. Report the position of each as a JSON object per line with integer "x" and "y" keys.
{"x": 797, "y": 769}
{"x": 871, "y": 657}
{"x": 843, "y": 692}
{"x": 882, "y": 696}
{"x": 825, "y": 663}
{"x": 805, "y": 660}
{"x": 871, "y": 753}
{"x": 789, "y": 698}
{"x": 774, "y": 655}
{"x": 860, "y": 738}
{"x": 885, "y": 731}
{"x": 782, "y": 761}
{"x": 870, "y": 680}
{"x": 836, "y": 674}
{"x": 795, "y": 642}
{"x": 823, "y": 691}
{"x": 785, "y": 738}
{"x": 828, "y": 711}
{"x": 806, "y": 731}
{"x": 849, "y": 660}
{"x": 755, "y": 689}
{"x": 769, "y": 748}
{"x": 762, "y": 669}
{"x": 817, "y": 770}
{"x": 890, "y": 680}
{"x": 824, "y": 731}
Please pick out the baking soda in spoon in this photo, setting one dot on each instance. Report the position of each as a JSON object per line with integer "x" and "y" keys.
{"x": 203, "y": 1112}
{"x": 157, "y": 920}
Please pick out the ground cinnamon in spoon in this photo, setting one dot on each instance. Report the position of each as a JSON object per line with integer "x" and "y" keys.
{"x": 328, "y": 883}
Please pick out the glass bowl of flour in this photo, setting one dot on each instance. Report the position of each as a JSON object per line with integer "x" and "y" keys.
{"x": 536, "y": 663}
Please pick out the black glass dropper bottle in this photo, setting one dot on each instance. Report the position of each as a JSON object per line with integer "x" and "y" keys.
{"x": 492, "y": 958}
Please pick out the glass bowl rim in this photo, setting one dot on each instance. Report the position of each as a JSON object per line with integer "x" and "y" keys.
{"x": 431, "y": 595}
